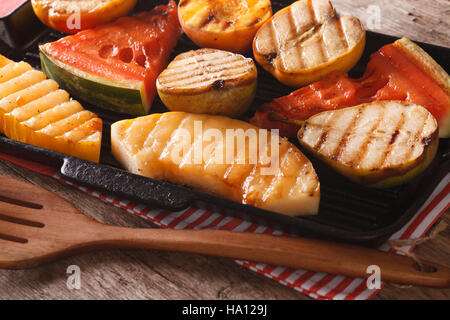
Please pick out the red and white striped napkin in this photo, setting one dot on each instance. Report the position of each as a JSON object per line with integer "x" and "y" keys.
{"x": 317, "y": 285}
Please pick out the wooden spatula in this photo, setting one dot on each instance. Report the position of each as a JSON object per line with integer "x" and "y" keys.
{"x": 37, "y": 226}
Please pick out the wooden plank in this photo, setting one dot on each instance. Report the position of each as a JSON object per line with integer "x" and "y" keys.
{"x": 426, "y": 21}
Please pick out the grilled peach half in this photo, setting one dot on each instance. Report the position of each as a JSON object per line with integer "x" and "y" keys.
{"x": 223, "y": 24}
{"x": 208, "y": 81}
{"x": 62, "y": 14}
{"x": 304, "y": 42}
{"x": 379, "y": 144}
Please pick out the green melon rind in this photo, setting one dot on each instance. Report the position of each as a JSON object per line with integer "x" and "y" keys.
{"x": 102, "y": 95}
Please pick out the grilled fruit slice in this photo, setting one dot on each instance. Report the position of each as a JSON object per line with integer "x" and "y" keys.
{"x": 307, "y": 40}
{"x": 59, "y": 14}
{"x": 33, "y": 110}
{"x": 380, "y": 144}
{"x": 260, "y": 169}
{"x": 223, "y": 24}
{"x": 208, "y": 81}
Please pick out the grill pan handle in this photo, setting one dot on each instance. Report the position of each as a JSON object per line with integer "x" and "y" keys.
{"x": 126, "y": 185}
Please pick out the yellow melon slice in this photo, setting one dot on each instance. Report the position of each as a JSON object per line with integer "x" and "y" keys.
{"x": 34, "y": 110}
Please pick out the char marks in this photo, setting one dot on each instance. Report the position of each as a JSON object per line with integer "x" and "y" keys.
{"x": 204, "y": 68}
{"x": 27, "y": 94}
{"x": 219, "y": 16}
{"x": 347, "y": 135}
{"x": 34, "y": 110}
{"x": 210, "y": 17}
{"x": 393, "y": 137}
{"x": 183, "y": 3}
{"x": 323, "y": 138}
{"x": 358, "y": 156}
{"x": 157, "y": 146}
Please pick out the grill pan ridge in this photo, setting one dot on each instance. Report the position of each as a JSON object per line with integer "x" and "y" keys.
{"x": 348, "y": 212}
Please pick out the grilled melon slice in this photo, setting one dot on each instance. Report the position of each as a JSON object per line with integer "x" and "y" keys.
{"x": 33, "y": 110}
{"x": 379, "y": 144}
{"x": 265, "y": 170}
{"x": 223, "y": 24}
{"x": 208, "y": 81}
{"x": 304, "y": 42}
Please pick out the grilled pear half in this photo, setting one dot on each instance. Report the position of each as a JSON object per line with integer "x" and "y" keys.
{"x": 204, "y": 152}
{"x": 208, "y": 81}
{"x": 305, "y": 41}
{"x": 380, "y": 144}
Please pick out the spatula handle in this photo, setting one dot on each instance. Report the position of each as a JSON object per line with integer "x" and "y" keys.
{"x": 302, "y": 253}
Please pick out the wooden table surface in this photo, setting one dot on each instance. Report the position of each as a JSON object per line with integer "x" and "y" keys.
{"x": 162, "y": 275}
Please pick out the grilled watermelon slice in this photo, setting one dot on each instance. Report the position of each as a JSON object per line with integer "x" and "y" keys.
{"x": 115, "y": 66}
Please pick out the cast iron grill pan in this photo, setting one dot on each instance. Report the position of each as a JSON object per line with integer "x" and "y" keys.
{"x": 348, "y": 212}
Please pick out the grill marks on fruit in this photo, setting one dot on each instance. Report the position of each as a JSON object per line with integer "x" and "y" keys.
{"x": 269, "y": 57}
{"x": 312, "y": 12}
{"x": 273, "y": 181}
{"x": 308, "y": 34}
{"x": 359, "y": 156}
{"x": 151, "y": 142}
{"x": 205, "y": 67}
{"x": 347, "y": 135}
{"x": 323, "y": 138}
{"x": 220, "y": 16}
{"x": 210, "y": 17}
{"x": 225, "y": 24}
{"x": 38, "y": 104}
{"x": 419, "y": 136}
{"x": 379, "y": 135}
{"x": 344, "y": 37}
{"x": 394, "y": 135}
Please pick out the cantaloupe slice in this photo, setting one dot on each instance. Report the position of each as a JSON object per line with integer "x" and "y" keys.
{"x": 34, "y": 110}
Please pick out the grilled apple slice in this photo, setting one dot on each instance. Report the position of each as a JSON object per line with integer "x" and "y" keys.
{"x": 380, "y": 144}
{"x": 304, "y": 42}
{"x": 33, "y": 110}
{"x": 223, "y": 24}
{"x": 265, "y": 170}
{"x": 208, "y": 81}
